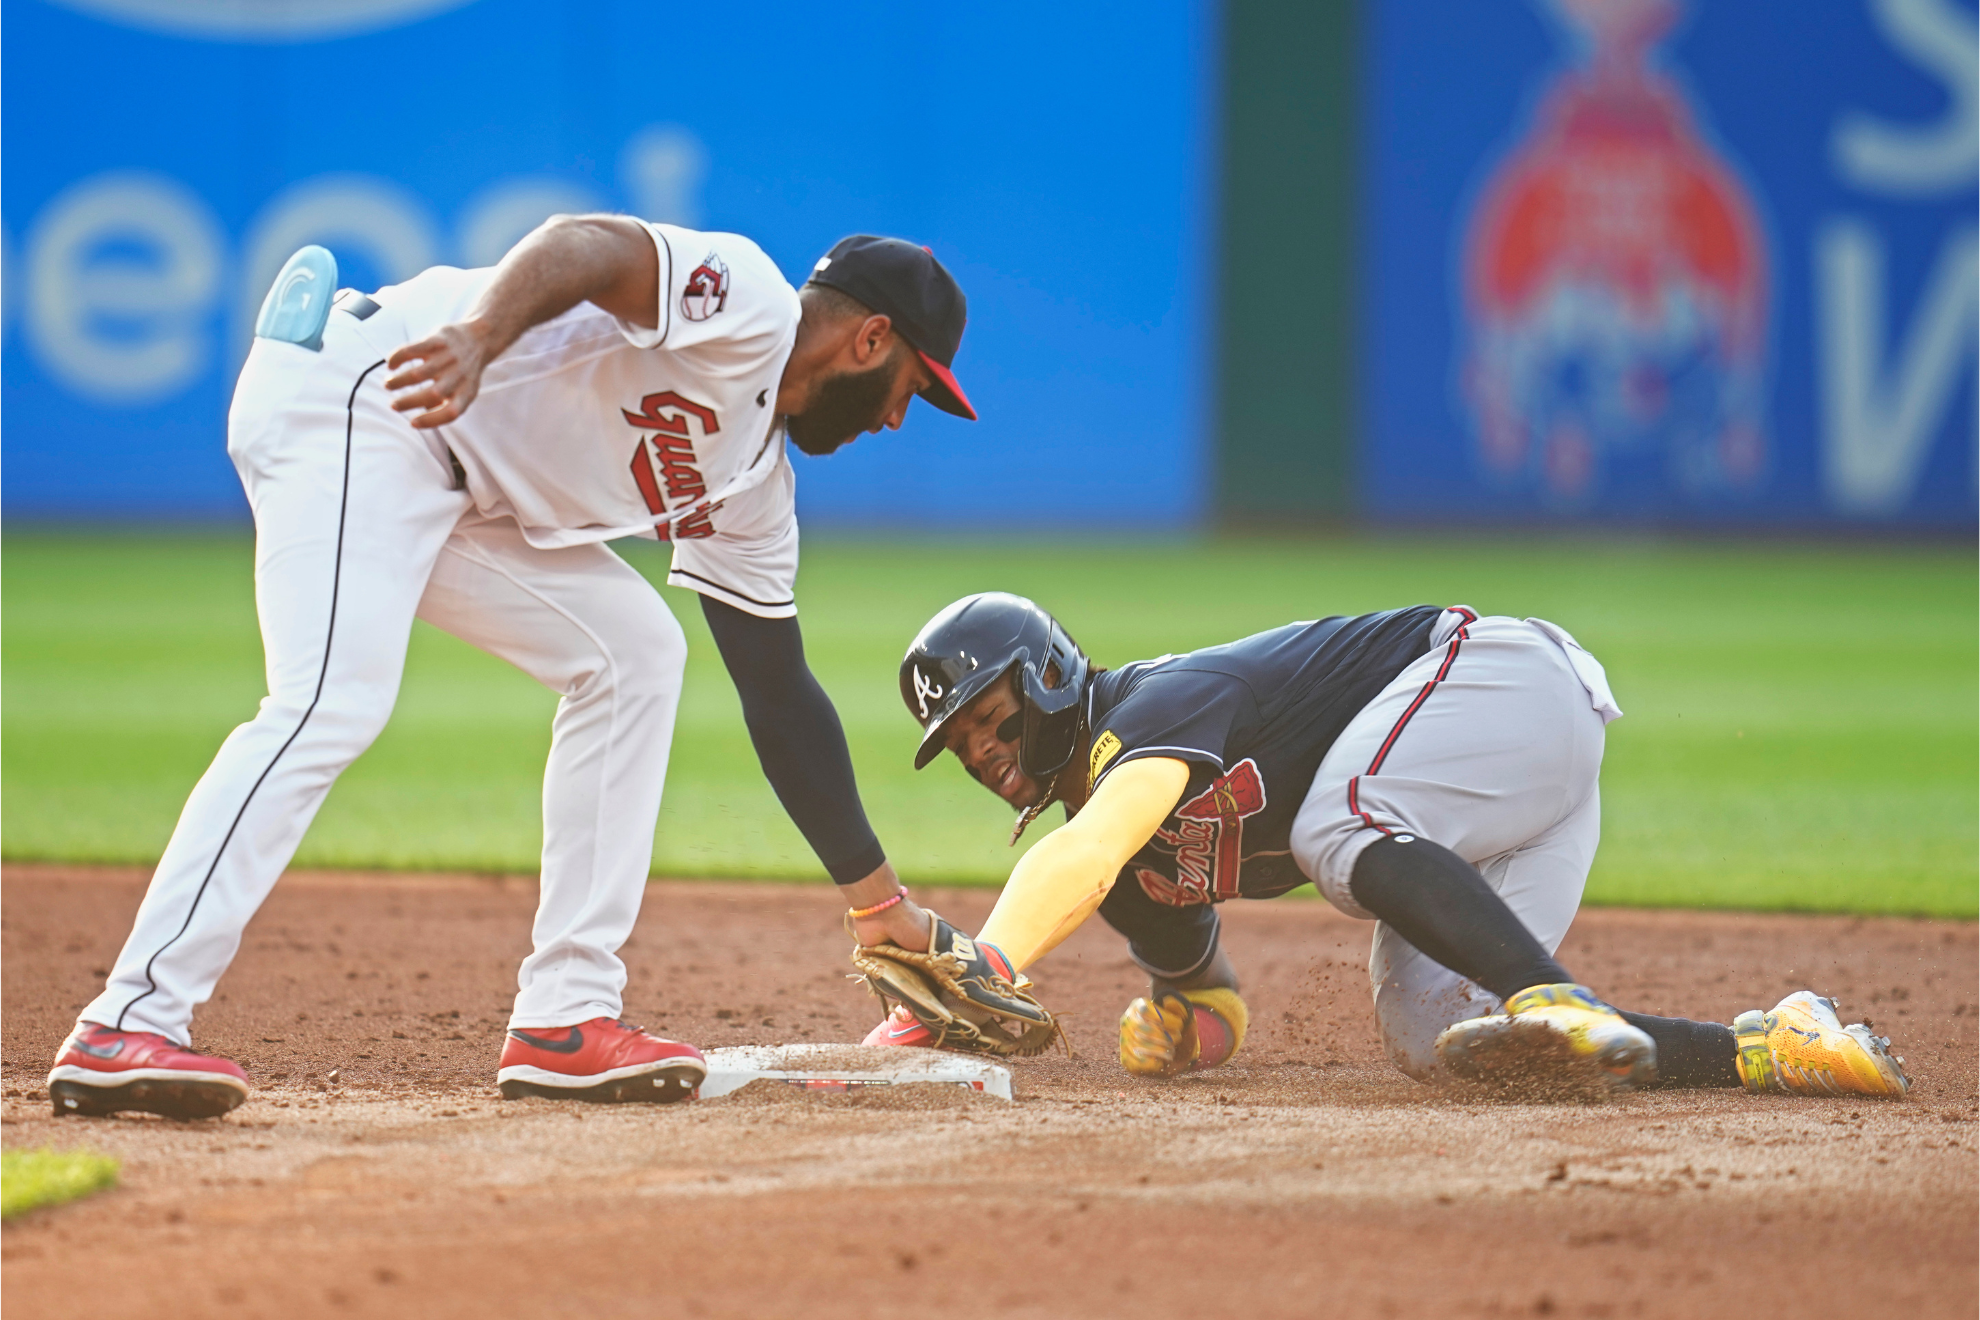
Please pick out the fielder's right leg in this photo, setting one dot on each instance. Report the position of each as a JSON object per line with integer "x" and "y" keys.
{"x": 350, "y": 507}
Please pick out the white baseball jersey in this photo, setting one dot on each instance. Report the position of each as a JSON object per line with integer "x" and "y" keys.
{"x": 590, "y": 428}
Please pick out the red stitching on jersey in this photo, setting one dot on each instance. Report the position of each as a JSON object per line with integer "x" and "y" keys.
{"x": 1444, "y": 669}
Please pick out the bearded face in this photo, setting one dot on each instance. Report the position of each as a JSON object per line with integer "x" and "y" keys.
{"x": 848, "y": 404}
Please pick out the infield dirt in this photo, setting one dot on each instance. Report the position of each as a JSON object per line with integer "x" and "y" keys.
{"x": 376, "y": 1172}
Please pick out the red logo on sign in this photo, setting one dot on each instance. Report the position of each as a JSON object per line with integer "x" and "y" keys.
{"x": 670, "y": 458}
{"x": 1208, "y": 840}
{"x": 1616, "y": 280}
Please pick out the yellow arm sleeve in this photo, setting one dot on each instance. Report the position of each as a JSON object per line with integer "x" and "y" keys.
{"x": 1059, "y": 883}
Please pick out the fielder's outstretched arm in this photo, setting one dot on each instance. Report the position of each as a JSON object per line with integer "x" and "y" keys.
{"x": 801, "y": 745}
{"x": 1061, "y": 881}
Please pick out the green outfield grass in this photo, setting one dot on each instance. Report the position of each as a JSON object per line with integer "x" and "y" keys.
{"x": 1801, "y": 727}
{"x": 30, "y": 1179}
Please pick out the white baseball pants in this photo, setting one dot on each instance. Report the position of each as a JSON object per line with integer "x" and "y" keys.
{"x": 1490, "y": 744}
{"x": 358, "y": 529}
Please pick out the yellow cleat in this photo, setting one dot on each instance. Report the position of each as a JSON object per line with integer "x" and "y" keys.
{"x": 1543, "y": 1028}
{"x": 1182, "y": 1032}
{"x": 1802, "y": 1047}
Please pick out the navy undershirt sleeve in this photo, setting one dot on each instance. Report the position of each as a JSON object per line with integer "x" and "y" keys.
{"x": 799, "y": 740}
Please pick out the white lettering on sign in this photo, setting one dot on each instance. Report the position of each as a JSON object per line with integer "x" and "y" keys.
{"x": 1887, "y": 382}
{"x": 1881, "y": 410}
{"x": 661, "y": 168}
{"x": 1918, "y": 160}
{"x": 122, "y": 272}
{"x": 498, "y": 216}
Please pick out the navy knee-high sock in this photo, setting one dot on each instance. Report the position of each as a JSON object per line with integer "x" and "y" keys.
{"x": 1690, "y": 1053}
{"x": 1438, "y": 902}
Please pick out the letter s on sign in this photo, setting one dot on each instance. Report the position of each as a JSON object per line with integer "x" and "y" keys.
{"x": 122, "y": 272}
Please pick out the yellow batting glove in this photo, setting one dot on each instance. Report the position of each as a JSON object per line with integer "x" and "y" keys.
{"x": 1182, "y": 1032}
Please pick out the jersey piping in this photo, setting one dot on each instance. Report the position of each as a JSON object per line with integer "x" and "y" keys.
{"x": 666, "y": 287}
{"x": 766, "y": 604}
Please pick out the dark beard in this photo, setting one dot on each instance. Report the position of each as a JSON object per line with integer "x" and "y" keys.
{"x": 848, "y": 405}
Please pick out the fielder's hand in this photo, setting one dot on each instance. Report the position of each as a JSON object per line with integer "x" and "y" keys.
{"x": 964, "y": 991}
{"x": 446, "y": 367}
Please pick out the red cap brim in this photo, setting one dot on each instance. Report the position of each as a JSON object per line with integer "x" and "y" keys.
{"x": 945, "y": 393}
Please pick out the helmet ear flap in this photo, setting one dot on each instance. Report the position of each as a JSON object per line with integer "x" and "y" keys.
{"x": 1048, "y": 737}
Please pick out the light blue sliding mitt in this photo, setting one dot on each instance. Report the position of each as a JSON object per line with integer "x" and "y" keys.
{"x": 298, "y": 303}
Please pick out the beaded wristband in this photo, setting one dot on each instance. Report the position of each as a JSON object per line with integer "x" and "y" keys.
{"x": 861, "y": 914}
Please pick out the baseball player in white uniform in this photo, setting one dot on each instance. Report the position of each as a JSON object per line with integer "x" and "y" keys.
{"x": 459, "y": 448}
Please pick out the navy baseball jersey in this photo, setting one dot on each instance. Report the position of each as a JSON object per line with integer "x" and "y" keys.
{"x": 1253, "y": 719}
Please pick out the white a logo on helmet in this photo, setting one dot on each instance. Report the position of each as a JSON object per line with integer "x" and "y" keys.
{"x": 924, "y": 688}
{"x": 707, "y": 290}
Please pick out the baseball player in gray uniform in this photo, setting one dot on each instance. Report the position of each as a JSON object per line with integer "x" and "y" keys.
{"x": 459, "y": 448}
{"x": 1427, "y": 769}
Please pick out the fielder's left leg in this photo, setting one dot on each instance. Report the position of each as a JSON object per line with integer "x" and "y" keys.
{"x": 586, "y": 625}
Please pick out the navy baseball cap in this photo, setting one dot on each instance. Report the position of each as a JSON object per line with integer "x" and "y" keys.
{"x": 903, "y": 282}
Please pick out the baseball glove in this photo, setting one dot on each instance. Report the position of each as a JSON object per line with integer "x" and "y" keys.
{"x": 964, "y": 991}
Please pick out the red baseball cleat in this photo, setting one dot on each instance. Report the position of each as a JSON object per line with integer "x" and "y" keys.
{"x": 101, "y": 1071}
{"x": 899, "y": 1028}
{"x": 604, "y": 1061}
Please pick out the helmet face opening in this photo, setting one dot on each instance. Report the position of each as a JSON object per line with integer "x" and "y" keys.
{"x": 964, "y": 650}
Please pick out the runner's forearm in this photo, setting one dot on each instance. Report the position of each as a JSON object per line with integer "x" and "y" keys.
{"x": 1062, "y": 880}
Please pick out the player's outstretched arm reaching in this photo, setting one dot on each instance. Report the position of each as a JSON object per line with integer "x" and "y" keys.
{"x": 802, "y": 747}
{"x": 1426, "y": 768}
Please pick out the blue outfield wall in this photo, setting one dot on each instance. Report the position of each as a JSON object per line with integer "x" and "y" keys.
{"x": 162, "y": 157}
{"x": 1647, "y": 262}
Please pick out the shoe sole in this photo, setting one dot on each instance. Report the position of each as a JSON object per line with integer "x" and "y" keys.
{"x": 166, "y": 1097}
{"x": 1526, "y": 1051}
{"x": 662, "y": 1086}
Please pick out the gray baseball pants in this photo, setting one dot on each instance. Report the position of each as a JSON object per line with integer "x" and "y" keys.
{"x": 1490, "y": 744}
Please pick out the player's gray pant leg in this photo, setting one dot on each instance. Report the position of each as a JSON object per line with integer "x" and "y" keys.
{"x": 1416, "y": 997}
{"x": 350, "y": 509}
{"x": 1490, "y": 745}
{"x": 585, "y": 624}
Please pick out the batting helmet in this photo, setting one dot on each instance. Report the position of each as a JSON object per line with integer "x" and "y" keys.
{"x": 975, "y": 642}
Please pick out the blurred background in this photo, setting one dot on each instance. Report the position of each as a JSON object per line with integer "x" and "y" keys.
{"x": 1656, "y": 318}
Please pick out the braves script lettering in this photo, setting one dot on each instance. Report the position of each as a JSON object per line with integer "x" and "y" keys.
{"x": 1208, "y": 840}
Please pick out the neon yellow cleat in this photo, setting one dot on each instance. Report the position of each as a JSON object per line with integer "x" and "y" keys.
{"x": 1545, "y": 1027}
{"x": 1803, "y": 1047}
